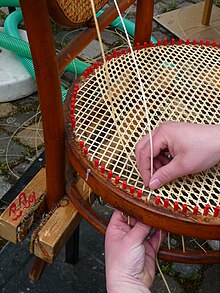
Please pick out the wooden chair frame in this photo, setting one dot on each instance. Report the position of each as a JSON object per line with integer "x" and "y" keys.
{"x": 48, "y": 67}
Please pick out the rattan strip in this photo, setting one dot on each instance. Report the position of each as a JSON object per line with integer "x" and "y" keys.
{"x": 182, "y": 83}
{"x": 109, "y": 90}
{"x": 79, "y": 11}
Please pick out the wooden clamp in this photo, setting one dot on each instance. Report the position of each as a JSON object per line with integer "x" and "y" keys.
{"x": 50, "y": 237}
{"x": 24, "y": 210}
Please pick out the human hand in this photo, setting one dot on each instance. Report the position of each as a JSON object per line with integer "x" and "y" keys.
{"x": 129, "y": 256}
{"x": 193, "y": 148}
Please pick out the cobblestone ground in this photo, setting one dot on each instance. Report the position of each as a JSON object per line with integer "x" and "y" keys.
{"x": 21, "y": 141}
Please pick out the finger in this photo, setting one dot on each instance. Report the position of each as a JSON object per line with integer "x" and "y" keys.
{"x": 119, "y": 217}
{"x": 157, "y": 164}
{"x": 144, "y": 162}
{"x": 117, "y": 220}
{"x": 160, "y": 161}
{"x": 120, "y": 223}
{"x": 139, "y": 146}
{"x": 116, "y": 217}
{"x": 117, "y": 227}
{"x": 129, "y": 220}
{"x": 144, "y": 156}
{"x": 145, "y": 172}
{"x": 163, "y": 159}
{"x": 167, "y": 173}
{"x": 138, "y": 233}
{"x": 156, "y": 239}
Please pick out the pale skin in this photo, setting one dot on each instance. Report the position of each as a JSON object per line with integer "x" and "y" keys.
{"x": 129, "y": 255}
{"x": 192, "y": 148}
{"x": 179, "y": 149}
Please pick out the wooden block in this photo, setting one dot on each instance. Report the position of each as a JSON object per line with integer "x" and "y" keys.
{"x": 20, "y": 210}
{"x": 53, "y": 235}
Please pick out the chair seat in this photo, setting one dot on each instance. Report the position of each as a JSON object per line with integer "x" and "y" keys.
{"x": 181, "y": 83}
{"x": 73, "y": 12}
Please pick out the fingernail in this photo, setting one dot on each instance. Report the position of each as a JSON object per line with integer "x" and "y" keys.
{"x": 155, "y": 183}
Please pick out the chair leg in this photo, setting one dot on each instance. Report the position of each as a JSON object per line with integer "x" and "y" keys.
{"x": 37, "y": 269}
{"x": 43, "y": 51}
{"x": 72, "y": 247}
{"x": 207, "y": 12}
{"x": 144, "y": 20}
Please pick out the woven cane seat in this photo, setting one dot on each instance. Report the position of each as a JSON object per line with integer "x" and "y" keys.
{"x": 73, "y": 12}
{"x": 107, "y": 119}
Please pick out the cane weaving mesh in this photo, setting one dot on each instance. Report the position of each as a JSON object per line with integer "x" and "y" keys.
{"x": 79, "y": 11}
{"x": 181, "y": 83}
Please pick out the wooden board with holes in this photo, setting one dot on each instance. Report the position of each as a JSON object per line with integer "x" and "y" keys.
{"x": 21, "y": 207}
{"x": 185, "y": 23}
{"x": 60, "y": 226}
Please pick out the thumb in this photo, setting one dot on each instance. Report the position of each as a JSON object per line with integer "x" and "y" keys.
{"x": 166, "y": 174}
{"x": 138, "y": 233}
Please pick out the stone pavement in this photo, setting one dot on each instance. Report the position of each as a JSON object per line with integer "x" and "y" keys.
{"x": 21, "y": 141}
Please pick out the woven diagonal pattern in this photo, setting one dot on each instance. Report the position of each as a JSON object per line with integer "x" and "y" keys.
{"x": 181, "y": 83}
{"x": 79, "y": 11}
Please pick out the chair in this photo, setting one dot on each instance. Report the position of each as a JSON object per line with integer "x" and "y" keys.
{"x": 48, "y": 68}
{"x": 40, "y": 36}
{"x": 65, "y": 140}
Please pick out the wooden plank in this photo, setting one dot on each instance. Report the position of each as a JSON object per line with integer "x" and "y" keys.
{"x": 22, "y": 182}
{"x": 54, "y": 234}
{"x": 21, "y": 206}
{"x": 186, "y": 23}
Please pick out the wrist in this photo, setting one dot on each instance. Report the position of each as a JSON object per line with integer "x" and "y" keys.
{"x": 127, "y": 289}
{"x": 127, "y": 285}
{"x": 215, "y": 134}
